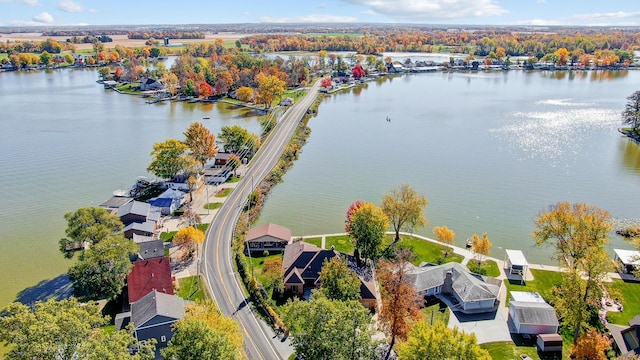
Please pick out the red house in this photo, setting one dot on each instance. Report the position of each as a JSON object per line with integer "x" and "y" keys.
{"x": 149, "y": 275}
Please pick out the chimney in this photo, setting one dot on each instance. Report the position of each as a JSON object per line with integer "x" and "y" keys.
{"x": 447, "y": 287}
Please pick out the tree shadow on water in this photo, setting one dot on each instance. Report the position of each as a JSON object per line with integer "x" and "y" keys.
{"x": 57, "y": 288}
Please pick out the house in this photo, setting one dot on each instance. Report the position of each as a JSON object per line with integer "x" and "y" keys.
{"x": 153, "y": 317}
{"x": 139, "y": 218}
{"x": 268, "y": 237}
{"x": 150, "y": 84}
{"x": 456, "y": 286}
{"x": 302, "y": 263}
{"x": 149, "y": 249}
{"x": 217, "y": 175}
{"x": 630, "y": 259}
{"x": 530, "y": 314}
{"x": 221, "y": 159}
{"x": 148, "y": 276}
{"x": 626, "y": 339}
{"x": 549, "y": 343}
{"x": 169, "y": 201}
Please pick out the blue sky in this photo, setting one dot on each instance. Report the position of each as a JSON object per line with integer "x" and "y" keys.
{"x": 481, "y": 12}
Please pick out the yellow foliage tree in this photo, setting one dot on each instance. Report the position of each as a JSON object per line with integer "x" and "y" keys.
{"x": 245, "y": 93}
{"x": 437, "y": 341}
{"x": 269, "y": 87}
{"x": 591, "y": 346}
{"x": 480, "y": 246}
{"x": 189, "y": 236}
{"x": 444, "y": 235}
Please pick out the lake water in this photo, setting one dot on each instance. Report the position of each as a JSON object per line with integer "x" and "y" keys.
{"x": 489, "y": 150}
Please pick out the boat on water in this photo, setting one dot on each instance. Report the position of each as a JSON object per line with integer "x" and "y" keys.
{"x": 468, "y": 243}
{"x": 206, "y": 117}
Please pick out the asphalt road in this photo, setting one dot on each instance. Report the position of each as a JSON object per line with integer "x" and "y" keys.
{"x": 218, "y": 271}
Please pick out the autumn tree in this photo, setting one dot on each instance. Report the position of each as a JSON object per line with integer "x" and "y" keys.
{"x": 88, "y": 226}
{"x": 400, "y": 301}
{"x": 329, "y": 329}
{"x": 367, "y": 226}
{"x": 326, "y": 82}
{"x": 563, "y": 56}
{"x": 233, "y": 163}
{"x": 350, "y": 211}
{"x": 170, "y": 82}
{"x": 190, "y": 218}
{"x": 274, "y": 274}
{"x": 591, "y": 346}
{"x": 631, "y": 113}
{"x": 480, "y": 246}
{"x": 204, "y": 90}
{"x": 201, "y": 142}
{"x": 405, "y": 209}
{"x": 270, "y": 87}
{"x": 338, "y": 281}
{"x": 190, "y": 237}
{"x": 65, "y": 330}
{"x": 358, "y": 72}
{"x": 205, "y": 333}
{"x": 102, "y": 271}
{"x": 169, "y": 158}
{"x": 444, "y": 235}
{"x": 437, "y": 341}
{"x": 237, "y": 139}
{"x": 245, "y": 93}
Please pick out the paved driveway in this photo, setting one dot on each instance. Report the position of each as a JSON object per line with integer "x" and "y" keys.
{"x": 488, "y": 327}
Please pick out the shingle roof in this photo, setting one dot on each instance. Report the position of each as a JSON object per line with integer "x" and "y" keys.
{"x": 134, "y": 207}
{"x": 156, "y": 303}
{"x": 147, "y": 276}
{"x": 151, "y": 249}
{"x": 276, "y": 231}
{"x": 468, "y": 286}
{"x": 535, "y": 313}
{"x": 147, "y": 226}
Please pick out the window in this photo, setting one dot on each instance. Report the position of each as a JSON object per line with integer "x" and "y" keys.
{"x": 163, "y": 338}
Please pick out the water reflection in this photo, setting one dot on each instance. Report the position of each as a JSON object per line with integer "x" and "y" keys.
{"x": 630, "y": 155}
{"x": 593, "y": 75}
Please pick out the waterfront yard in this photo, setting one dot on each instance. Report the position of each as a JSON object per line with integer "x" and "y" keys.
{"x": 543, "y": 282}
{"x": 427, "y": 251}
{"x": 630, "y": 293}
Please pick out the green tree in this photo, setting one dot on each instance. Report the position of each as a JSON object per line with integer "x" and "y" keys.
{"x": 88, "y": 226}
{"x": 367, "y": 227}
{"x": 274, "y": 274}
{"x": 405, "y": 209}
{"x": 235, "y": 139}
{"x": 45, "y": 58}
{"x": 169, "y": 158}
{"x": 437, "y": 341}
{"x": 205, "y": 333}
{"x": 631, "y": 113}
{"x": 329, "y": 329}
{"x": 63, "y": 330}
{"x": 337, "y": 281}
{"x": 102, "y": 271}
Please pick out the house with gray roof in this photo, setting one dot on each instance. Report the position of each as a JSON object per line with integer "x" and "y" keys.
{"x": 139, "y": 218}
{"x": 169, "y": 201}
{"x": 626, "y": 339}
{"x": 150, "y": 249}
{"x": 456, "y": 286}
{"x": 302, "y": 263}
{"x": 153, "y": 317}
{"x": 530, "y": 314}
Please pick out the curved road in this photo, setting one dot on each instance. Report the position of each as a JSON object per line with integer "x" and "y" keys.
{"x": 219, "y": 276}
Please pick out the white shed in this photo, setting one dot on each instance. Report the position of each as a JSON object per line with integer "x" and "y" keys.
{"x": 516, "y": 262}
{"x": 530, "y": 314}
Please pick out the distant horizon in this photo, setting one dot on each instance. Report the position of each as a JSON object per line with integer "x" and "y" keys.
{"x": 76, "y": 13}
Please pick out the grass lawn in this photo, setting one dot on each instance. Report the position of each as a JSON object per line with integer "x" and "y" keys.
{"x": 439, "y": 311}
{"x": 168, "y": 236}
{"x": 258, "y": 265}
{"x": 487, "y": 267}
{"x": 233, "y": 179}
{"x": 507, "y": 350}
{"x": 426, "y": 251}
{"x": 129, "y": 89}
{"x": 213, "y": 206}
{"x": 224, "y": 192}
{"x": 4, "y": 56}
{"x": 191, "y": 288}
{"x": 543, "y": 281}
{"x": 630, "y": 292}
{"x": 342, "y": 243}
{"x": 317, "y": 241}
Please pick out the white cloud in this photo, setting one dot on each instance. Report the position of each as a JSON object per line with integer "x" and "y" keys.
{"x": 43, "y": 18}
{"x": 321, "y": 6}
{"x": 540, "y": 1}
{"x": 539, "y": 22}
{"x": 607, "y": 16}
{"x": 314, "y": 18}
{"x": 70, "y": 6}
{"x": 432, "y": 9}
{"x": 29, "y": 2}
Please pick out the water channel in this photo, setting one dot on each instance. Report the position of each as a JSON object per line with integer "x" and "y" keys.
{"x": 489, "y": 150}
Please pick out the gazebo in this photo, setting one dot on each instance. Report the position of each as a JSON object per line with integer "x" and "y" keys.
{"x": 630, "y": 259}
{"x": 516, "y": 262}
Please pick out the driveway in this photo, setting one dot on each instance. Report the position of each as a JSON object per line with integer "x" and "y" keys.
{"x": 488, "y": 327}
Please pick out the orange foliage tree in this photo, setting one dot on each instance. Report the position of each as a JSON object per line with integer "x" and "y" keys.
{"x": 400, "y": 301}
{"x": 591, "y": 346}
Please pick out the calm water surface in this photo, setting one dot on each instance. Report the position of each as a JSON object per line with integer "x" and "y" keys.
{"x": 488, "y": 150}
